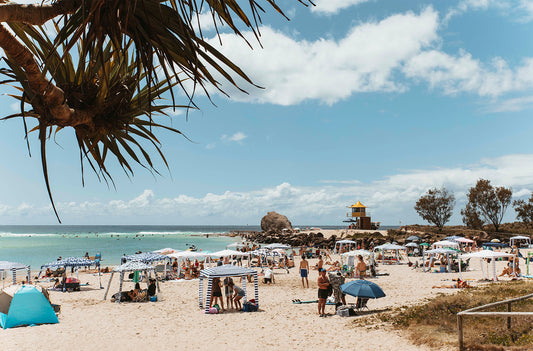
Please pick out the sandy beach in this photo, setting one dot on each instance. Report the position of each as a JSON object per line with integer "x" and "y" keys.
{"x": 175, "y": 321}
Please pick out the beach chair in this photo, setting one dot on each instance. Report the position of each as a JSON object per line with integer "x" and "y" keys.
{"x": 361, "y": 303}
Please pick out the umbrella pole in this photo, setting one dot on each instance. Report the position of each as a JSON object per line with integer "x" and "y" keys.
{"x": 108, "y": 285}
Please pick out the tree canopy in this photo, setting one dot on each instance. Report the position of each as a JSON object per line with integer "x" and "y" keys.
{"x": 436, "y": 206}
{"x": 524, "y": 210}
{"x": 489, "y": 202}
{"x": 101, "y": 67}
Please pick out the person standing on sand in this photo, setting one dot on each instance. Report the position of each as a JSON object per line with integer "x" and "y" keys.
{"x": 304, "y": 269}
{"x": 323, "y": 283}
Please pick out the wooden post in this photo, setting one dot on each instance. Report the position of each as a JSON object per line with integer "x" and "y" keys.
{"x": 509, "y": 318}
{"x": 460, "y": 331}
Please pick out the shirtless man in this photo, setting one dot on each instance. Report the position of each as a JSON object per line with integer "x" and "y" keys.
{"x": 323, "y": 283}
{"x": 320, "y": 263}
{"x": 304, "y": 270}
{"x": 361, "y": 267}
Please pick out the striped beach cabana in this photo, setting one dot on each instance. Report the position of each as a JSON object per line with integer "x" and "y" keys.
{"x": 147, "y": 257}
{"x": 222, "y": 272}
{"x": 13, "y": 267}
{"x": 131, "y": 266}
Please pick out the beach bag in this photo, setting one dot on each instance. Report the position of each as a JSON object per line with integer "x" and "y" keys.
{"x": 217, "y": 307}
{"x": 213, "y": 310}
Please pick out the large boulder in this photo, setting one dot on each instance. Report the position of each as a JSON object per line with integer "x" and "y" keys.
{"x": 274, "y": 222}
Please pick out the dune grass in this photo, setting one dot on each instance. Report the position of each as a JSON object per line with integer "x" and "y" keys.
{"x": 434, "y": 323}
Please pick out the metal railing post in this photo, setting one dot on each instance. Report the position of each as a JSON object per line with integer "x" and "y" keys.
{"x": 460, "y": 331}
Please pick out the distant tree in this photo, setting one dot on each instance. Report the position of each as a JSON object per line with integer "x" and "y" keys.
{"x": 524, "y": 210}
{"x": 471, "y": 217}
{"x": 490, "y": 203}
{"x": 436, "y": 206}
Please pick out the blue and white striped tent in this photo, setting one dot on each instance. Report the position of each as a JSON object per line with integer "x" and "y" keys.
{"x": 147, "y": 257}
{"x": 13, "y": 267}
{"x": 131, "y": 266}
{"x": 222, "y": 272}
{"x": 70, "y": 262}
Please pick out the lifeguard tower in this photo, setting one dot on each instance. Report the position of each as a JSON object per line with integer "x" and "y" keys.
{"x": 359, "y": 218}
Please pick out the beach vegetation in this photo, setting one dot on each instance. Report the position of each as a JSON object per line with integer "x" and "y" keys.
{"x": 101, "y": 67}
{"x": 488, "y": 202}
{"x": 524, "y": 210}
{"x": 434, "y": 322}
{"x": 436, "y": 206}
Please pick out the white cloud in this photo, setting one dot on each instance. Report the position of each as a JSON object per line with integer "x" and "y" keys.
{"x": 517, "y": 10}
{"x": 237, "y": 137}
{"x": 511, "y": 105}
{"x": 462, "y": 73}
{"x": 334, "y": 6}
{"x": 386, "y": 56}
{"x": 328, "y": 70}
{"x": 390, "y": 199}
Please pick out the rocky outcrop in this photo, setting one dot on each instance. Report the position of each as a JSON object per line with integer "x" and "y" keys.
{"x": 292, "y": 239}
{"x": 274, "y": 222}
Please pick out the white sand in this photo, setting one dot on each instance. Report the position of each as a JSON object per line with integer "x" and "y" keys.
{"x": 175, "y": 321}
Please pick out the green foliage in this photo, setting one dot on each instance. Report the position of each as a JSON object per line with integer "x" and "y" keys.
{"x": 436, "y": 206}
{"x": 488, "y": 202}
{"x": 524, "y": 210}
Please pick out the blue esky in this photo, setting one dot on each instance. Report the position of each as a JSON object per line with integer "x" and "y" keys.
{"x": 372, "y": 101}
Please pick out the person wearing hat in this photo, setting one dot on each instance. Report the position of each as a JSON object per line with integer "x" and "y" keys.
{"x": 323, "y": 283}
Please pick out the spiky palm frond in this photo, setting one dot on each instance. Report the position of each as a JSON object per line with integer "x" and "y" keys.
{"x": 107, "y": 90}
{"x": 163, "y": 31}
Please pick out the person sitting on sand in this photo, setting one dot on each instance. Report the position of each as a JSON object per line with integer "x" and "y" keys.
{"x": 152, "y": 287}
{"x": 334, "y": 266}
{"x": 48, "y": 273}
{"x": 512, "y": 269}
{"x": 135, "y": 292}
{"x": 269, "y": 276}
{"x": 461, "y": 284}
{"x": 320, "y": 264}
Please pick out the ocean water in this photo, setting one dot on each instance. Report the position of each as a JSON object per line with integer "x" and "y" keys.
{"x": 37, "y": 245}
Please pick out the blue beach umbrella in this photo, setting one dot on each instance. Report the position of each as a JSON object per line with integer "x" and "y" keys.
{"x": 362, "y": 288}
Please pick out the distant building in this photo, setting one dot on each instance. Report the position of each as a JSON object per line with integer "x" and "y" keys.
{"x": 359, "y": 218}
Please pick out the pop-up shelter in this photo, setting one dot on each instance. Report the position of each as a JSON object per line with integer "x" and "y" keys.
{"x": 13, "y": 267}
{"x": 222, "y": 272}
{"x": 348, "y": 244}
{"x": 25, "y": 305}
{"x": 131, "y": 266}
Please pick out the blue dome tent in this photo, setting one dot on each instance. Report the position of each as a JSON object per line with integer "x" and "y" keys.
{"x": 25, "y": 305}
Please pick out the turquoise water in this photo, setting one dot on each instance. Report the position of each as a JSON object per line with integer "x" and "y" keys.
{"x": 36, "y": 245}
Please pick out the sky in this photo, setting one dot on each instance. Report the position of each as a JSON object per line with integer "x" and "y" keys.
{"x": 360, "y": 100}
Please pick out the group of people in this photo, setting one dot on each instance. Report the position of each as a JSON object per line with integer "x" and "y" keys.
{"x": 233, "y": 293}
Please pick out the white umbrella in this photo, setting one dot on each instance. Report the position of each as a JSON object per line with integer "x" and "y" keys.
{"x": 187, "y": 254}
{"x": 225, "y": 253}
{"x": 277, "y": 246}
{"x": 445, "y": 243}
{"x": 411, "y": 245}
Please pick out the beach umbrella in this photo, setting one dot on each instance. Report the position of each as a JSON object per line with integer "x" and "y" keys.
{"x": 495, "y": 241}
{"x": 413, "y": 238}
{"x": 277, "y": 246}
{"x": 224, "y": 253}
{"x": 424, "y": 244}
{"x": 411, "y": 245}
{"x": 362, "y": 288}
{"x": 147, "y": 257}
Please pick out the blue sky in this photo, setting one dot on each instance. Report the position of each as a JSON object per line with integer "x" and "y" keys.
{"x": 371, "y": 101}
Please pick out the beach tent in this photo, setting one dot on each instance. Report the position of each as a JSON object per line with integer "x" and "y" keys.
{"x": 13, "y": 267}
{"x": 131, "y": 266}
{"x": 444, "y": 244}
{"x": 147, "y": 257}
{"x": 235, "y": 245}
{"x": 432, "y": 253}
{"x": 277, "y": 246}
{"x": 191, "y": 255}
{"x": 25, "y": 305}
{"x": 222, "y": 272}
{"x": 486, "y": 254}
{"x": 349, "y": 257}
{"x": 74, "y": 262}
{"x": 342, "y": 243}
{"x": 413, "y": 238}
{"x": 464, "y": 240}
{"x": 411, "y": 245}
{"x": 390, "y": 247}
{"x": 514, "y": 239}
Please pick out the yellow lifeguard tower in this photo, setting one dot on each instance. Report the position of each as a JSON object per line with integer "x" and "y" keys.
{"x": 359, "y": 216}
